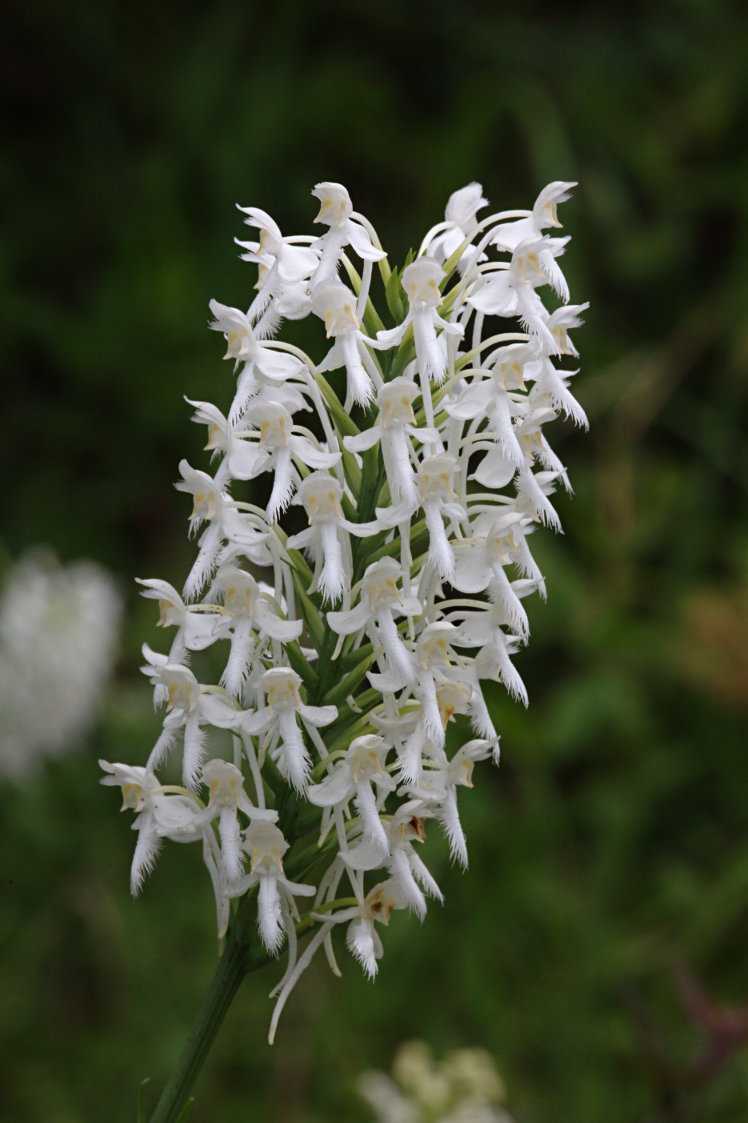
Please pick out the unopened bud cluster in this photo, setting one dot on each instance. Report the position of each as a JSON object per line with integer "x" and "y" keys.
{"x": 359, "y": 606}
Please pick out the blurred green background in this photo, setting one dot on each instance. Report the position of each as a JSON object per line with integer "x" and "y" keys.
{"x": 597, "y": 944}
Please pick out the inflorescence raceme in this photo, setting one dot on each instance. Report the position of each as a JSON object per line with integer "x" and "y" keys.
{"x": 353, "y": 635}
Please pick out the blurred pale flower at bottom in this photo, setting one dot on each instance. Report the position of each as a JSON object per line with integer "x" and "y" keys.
{"x": 463, "y": 1088}
{"x": 59, "y": 630}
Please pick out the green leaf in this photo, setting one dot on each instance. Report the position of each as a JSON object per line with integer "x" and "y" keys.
{"x": 342, "y": 420}
{"x": 453, "y": 261}
{"x": 349, "y": 659}
{"x": 395, "y": 297}
{"x": 352, "y": 471}
{"x": 348, "y": 685}
{"x": 309, "y": 612}
{"x": 141, "y": 1101}
{"x": 300, "y": 566}
{"x": 300, "y": 664}
{"x": 405, "y": 352}
{"x": 372, "y": 322}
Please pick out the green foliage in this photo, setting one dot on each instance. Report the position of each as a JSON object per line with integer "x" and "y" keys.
{"x": 597, "y": 943}
{"x": 395, "y": 296}
{"x": 142, "y": 1107}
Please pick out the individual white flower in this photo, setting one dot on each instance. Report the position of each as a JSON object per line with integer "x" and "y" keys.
{"x": 380, "y": 601}
{"x": 327, "y": 537}
{"x": 421, "y": 281}
{"x": 560, "y": 323}
{"x": 438, "y": 785}
{"x": 283, "y": 265}
{"x": 336, "y": 305}
{"x": 512, "y": 291}
{"x": 248, "y": 615}
{"x": 159, "y": 813}
{"x": 189, "y": 708}
{"x": 395, "y": 430}
{"x": 276, "y": 444}
{"x": 281, "y": 719}
{"x": 436, "y": 661}
{"x": 139, "y": 786}
{"x": 198, "y": 626}
{"x": 508, "y": 235}
{"x": 354, "y": 777}
{"x": 488, "y": 396}
{"x": 436, "y": 486}
{"x": 209, "y": 504}
{"x": 412, "y": 731}
{"x": 436, "y": 478}
{"x": 535, "y": 414}
{"x": 484, "y": 629}
{"x": 226, "y": 798}
{"x": 436, "y": 482}
{"x": 497, "y": 540}
{"x": 265, "y": 844}
{"x": 262, "y": 363}
{"x": 459, "y": 223}
{"x": 409, "y": 875}
{"x": 362, "y": 938}
{"x": 226, "y": 524}
{"x": 336, "y": 211}
{"x": 236, "y": 329}
{"x": 551, "y": 389}
{"x": 237, "y": 457}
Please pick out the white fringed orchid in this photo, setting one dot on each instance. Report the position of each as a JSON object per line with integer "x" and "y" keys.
{"x": 421, "y": 280}
{"x": 460, "y": 223}
{"x": 336, "y": 211}
{"x": 280, "y": 720}
{"x": 263, "y": 364}
{"x": 328, "y": 536}
{"x": 284, "y": 267}
{"x": 336, "y": 305}
{"x": 346, "y": 632}
{"x": 198, "y": 625}
{"x": 380, "y": 601}
{"x": 395, "y": 431}
{"x": 266, "y": 846}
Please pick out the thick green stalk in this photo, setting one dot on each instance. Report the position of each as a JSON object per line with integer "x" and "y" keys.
{"x": 234, "y": 964}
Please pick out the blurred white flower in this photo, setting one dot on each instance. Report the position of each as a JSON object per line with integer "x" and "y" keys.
{"x": 59, "y": 628}
{"x": 463, "y": 1088}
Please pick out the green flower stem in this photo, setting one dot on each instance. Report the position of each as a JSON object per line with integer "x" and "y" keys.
{"x": 236, "y": 962}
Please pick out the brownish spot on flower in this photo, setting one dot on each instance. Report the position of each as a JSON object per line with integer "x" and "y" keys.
{"x": 418, "y": 826}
